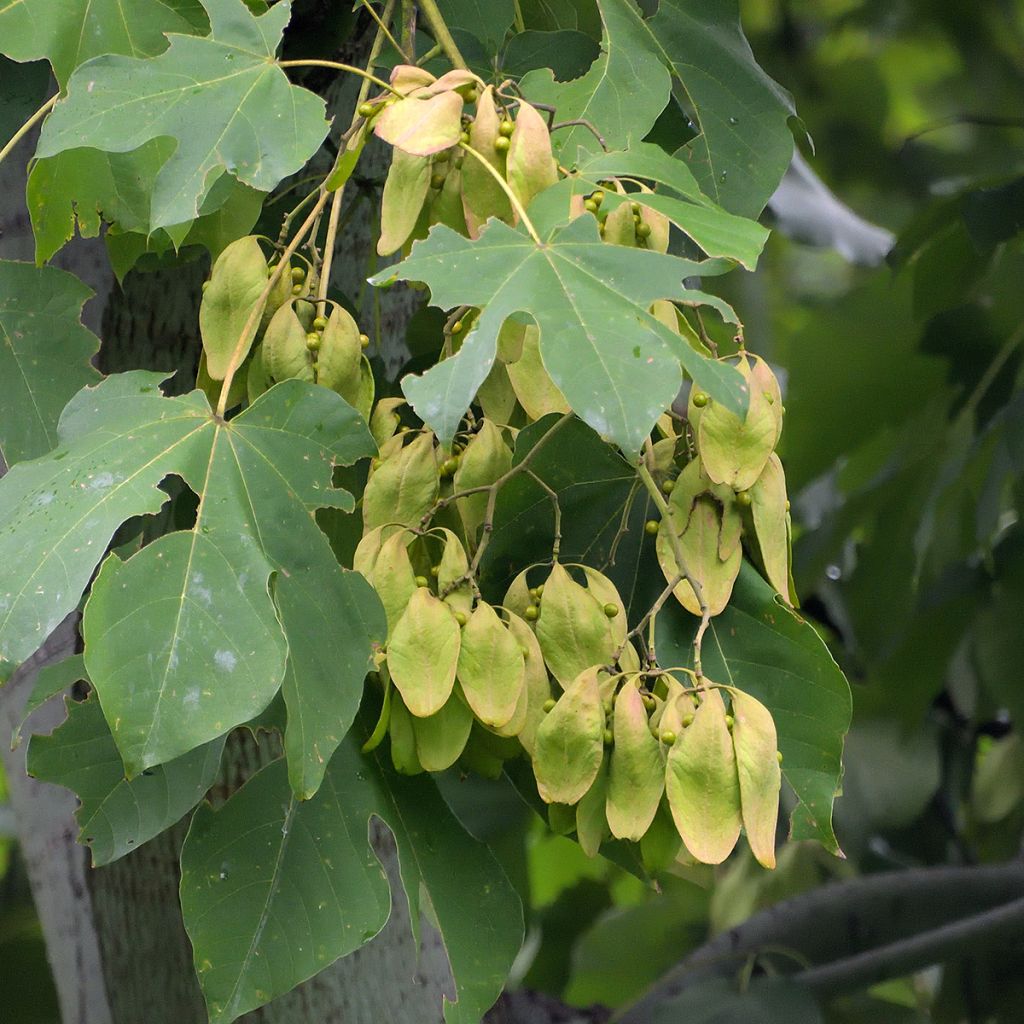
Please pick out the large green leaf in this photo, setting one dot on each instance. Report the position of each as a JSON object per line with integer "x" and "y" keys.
{"x": 616, "y": 364}
{"x": 80, "y": 190}
{"x": 488, "y": 20}
{"x": 621, "y": 94}
{"x": 767, "y": 650}
{"x": 744, "y": 144}
{"x": 116, "y": 816}
{"x": 69, "y": 32}
{"x": 222, "y": 98}
{"x": 45, "y": 355}
{"x": 183, "y": 640}
{"x": 274, "y": 890}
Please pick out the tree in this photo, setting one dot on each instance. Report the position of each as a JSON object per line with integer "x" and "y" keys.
{"x": 512, "y": 514}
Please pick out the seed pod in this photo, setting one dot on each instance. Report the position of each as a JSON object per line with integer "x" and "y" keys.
{"x": 454, "y": 565}
{"x": 569, "y": 743}
{"x": 423, "y": 653}
{"x": 538, "y": 394}
{"x": 441, "y": 738}
{"x": 424, "y": 123}
{"x": 702, "y": 784}
{"x": 486, "y": 753}
{"x": 661, "y": 844}
{"x": 285, "y": 355}
{"x": 706, "y": 531}
{"x": 517, "y": 598}
{"x": 212, "y": 388}
{"x": 510, "y": 340}
{"x": 762, "y": 379}
{"x": 734, "y": 451}
{"x": 340, "y": 355}
{"x": 280, "y": 293}
{"x": 393, "y": 577}
{"x": 637, "y": 773}
{"x": 407, "y": 78}
{"x": 236, "y": 285}
{"x": 256, "y": 380}
{"x": 482, "y": 196}
{"x": 591, "y": 825}
{"x": 404, "y": 487}
{"x": 573, "y": 629}
{"x": 405, "y": 191}
{"x": 363, "y": 399}
{"x": 496, "y": 396}
{"x": 561, "y": 819}
{"x": 446, "y": 207}
{"x": 659, "y": 224}
{"x": 536, "y": 685}
{"x": 607, "y": 595}
{"x": 619, "y": 226}
{"x": 771, "y": 525}
{"x": 403, "y": 739}
{"x": 384, "y": 419}
{"x": 492, "y": 669}
{"x": 760, "y": 775}
{"x": 485, "y": 459}
{"x": 531, "y": 165}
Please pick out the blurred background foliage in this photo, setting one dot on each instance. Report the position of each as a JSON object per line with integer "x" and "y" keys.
{"x": 900, "y": 347}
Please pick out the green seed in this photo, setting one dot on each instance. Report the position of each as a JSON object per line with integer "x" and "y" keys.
{"x": 364, "y": 340}
{"x": 687, "y": 721}
{"x": 532, "y": 613}
{"x": 457, "y": 327}
{"x": 464, "y": 138}
{"x": 471, "y": 95}
{"x": 608, "y": 737}
{"x": 611, "y": 610}
{"x": 540, "y": 591}
{"x": 298, "y": 274}
{"x": 668, "y": 737}
{"x": 460, "y": 618}
{"x": 421, "y": 581}
{"x": 313, "y": 341}
{"x": 635, "y": 208}
{"x": 319, "y": 323}
{"x": 649, "y": 702}
{"x": 743, "y": 499}
{"x": 729, "y": 722}
{"x": 501, "y": 144}
{"x": 778, "y": 755}
{"x": 667, "y": 486}
{"x": 651, "y": 527}
{"x": 700, "y": 399}
{"x": 297, "y": 289}
{"x": 434, "y": 570}
{"x": 506, "y": 128}
{"x": 549, "y": 704}
{"x": 366, "y": 109}
{"x": 437, "y": 180}
{"x": 590, "y": 206}
{"x": 597, "y": 197}
{"x": 643, "y": 230}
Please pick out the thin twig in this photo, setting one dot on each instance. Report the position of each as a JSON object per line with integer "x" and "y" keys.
{"x": 582, "y": 122}
{"x": 27, "y": 127}
{"x": 442, "y": 36}
{"x": 382, "y": 26}
{"x": 556, "y": 543}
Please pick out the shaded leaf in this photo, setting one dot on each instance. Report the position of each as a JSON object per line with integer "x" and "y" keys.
{"x": 423, "y": 653}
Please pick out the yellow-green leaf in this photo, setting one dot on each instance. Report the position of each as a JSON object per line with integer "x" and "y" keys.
{"x": 441, "y": 738}
{"x": 423, "y": 654}
{"x": 702, "y": 785}
{"x": 485, "y": 459}
{"x": 591, "y": 825}
{"x": 403, "y": 739}
{"x": 338, "y": 362}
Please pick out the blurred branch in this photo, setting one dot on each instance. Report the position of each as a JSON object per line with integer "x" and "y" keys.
{"x": 857, "y": 932}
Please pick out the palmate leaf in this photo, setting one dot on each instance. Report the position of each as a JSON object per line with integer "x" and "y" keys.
{"x": 222, "y": 98}
{"x": 621, "y": 94}
{"x": 69, "y": 32}
{"x": 273, "y": 890}
{"x": 183, "y": 640}
{"x": 116, "y": 816}
{"x": 763, "y": 648}
{"x": 45, "y": 355}
{"x": 616, "y": 365}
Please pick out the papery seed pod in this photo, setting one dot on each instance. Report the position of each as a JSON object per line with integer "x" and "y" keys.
{"x": 496, "y": 396}
{"x": 770, "y": 518}
{"x": 619, "y": 226}
{"x": 562, "y": 819}
{"x": 454, "y": 565}
{"x": 755, "y": 743}
{"x": 536, "y": 685}
{"x": 404, "y": 487}
{"x": 518, "y": 598}
{"x": 485, "y": 459}
{"x": 384, "y": 420}
{"x": 708, "y": 533}
{"x": 446, "y": 207}
{"x": 569, "y": 743}
{"x": 393, "y": 577}
{"x": 734, "y": 450}
{"x": 659, "y": 225}
{"x": 423, "y": 653}
{"x": 572, "y": 629}
{"x": 340, "y": 355}
{"x": 280, "y": 293}
{"x": 256, "y": 380}
{"x": 636, "y": 778}
{"x": 763, "y": 379}
{"x": 536, "y": 391}
{"x": 405, "y": 191}
{"x": 702, "y": 784}
{"x": 530, "y": 165}
{"x": 660, "y": 844}
{"x": 441, "y": 738}
{"x": 285, "y": 355}
{"x": 607, "y": 595}
{"x": 236, "y": 286}
{"x": 486, "y": 753}
{"x": 491, "y": 668}
{"x": 591, "y": 824}
{"x": 403, "y": 739}
{"x": 427, "y": 121}
{"x": 482, "y": 196}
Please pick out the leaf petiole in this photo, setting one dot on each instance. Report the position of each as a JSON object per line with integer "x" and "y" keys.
{"x": 27, "y": 127}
